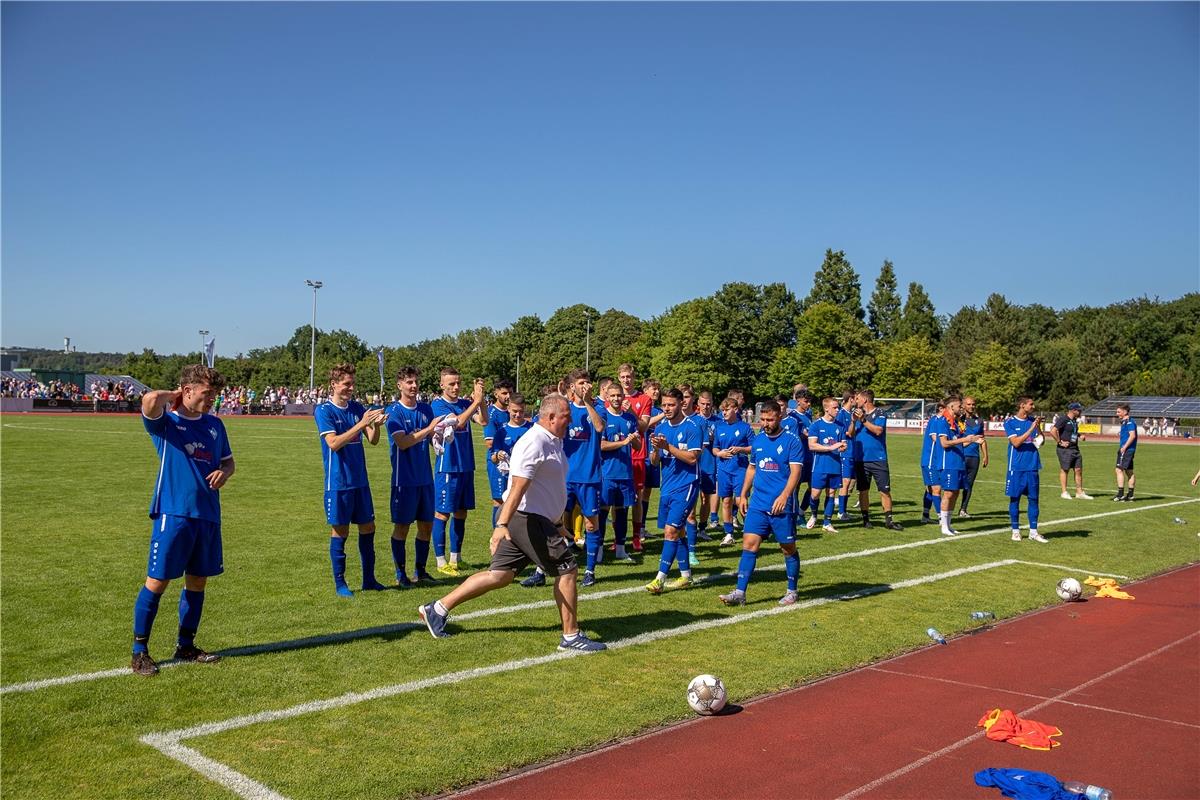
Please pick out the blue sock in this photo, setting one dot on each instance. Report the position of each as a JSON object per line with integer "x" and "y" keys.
{"x": 842, "y": 504}
{"x": 366, "y": 553}
{"x": 593, "y": 542}
{"x": 728, "y": 526}
{"x": 681, "y": 555}
{"x": 145, "y": 608}
{"x": 745, "y": 569}
{"x": 792, "y": 564}
{"x": 337, "y": 558}
{"x": 460, "y": 530}
{"x": 690, "y": 527}
{"x": 439, "y": 537}
{"x": 670, "y": 547}
{"x": 712, "y": 518}
{"x": 828, "y": 509}
{"x": 191, "y": 605}
{"x": 421, "y": 554}
{"x": 926, "y": 503}
{"x": 620, "y": 523}
{"x": 398, "y": 555}
{"x": 1033, "y": 510}
{"x": 1014, "y": 512}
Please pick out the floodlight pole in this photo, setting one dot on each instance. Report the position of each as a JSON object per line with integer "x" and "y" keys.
{"x": 202, "y": 343}
{"x": 312, "y": 347}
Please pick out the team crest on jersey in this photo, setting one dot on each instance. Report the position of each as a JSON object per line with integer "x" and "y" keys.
{"x": 212, "y": 432}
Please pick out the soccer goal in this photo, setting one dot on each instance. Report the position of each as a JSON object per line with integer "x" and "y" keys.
{"x": 904, "y": 409}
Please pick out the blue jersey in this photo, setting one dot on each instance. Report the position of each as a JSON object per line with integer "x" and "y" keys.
{"x": 946, "y": 458}
{"x": 410, "y": 467}
{"x": 617, "y": 465}
{"x": 872, "y": 446}
{"x": 459, "y": 455}
{"x": 188, "y": 451}
{"x": 732, "y": 434}
{"x": 844, "y": 418}
{"x": 1128, "y": 430}
{"x": 773, "y": 457}
{"x": 504, "y": 439}
{"x": 678, "y": 477}
{"x": 973, "y": 426}
{"x": 582, "y": 446}
{"x": 708, "y": 462}
{"x": 497, "y": 419}
{"x": 927, "y": 444}
{"x": 345, "y": 468}
{"x": 790, "y": 422}
{"x": 1024, "y": 458}
{"x": 826, "y": 433}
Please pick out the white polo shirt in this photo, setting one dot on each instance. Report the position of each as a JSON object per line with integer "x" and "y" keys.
{"x": 539, "y": 457}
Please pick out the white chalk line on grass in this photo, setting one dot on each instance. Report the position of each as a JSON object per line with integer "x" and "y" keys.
{"x": 1103, "y": 490}
{"x": 169, "y": 742}
{"x": 333, "y": 638}
{"x": 950, "y": 748}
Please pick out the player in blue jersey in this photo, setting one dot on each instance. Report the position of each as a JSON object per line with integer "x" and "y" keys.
{"x": 618, "y": 492}
{"x": 827, "y": 441}
{"x": 501, "y": 443}
{"x": 871, "y": 461}
{"x": 948, "y": 457}
{"x": 731, "y": 446}
{"x": 410, "y": 424}
{"x": 845, "y": 418}
{"x": 195, "y": 461}
{"x": 708, "y": 465}
{"x": 1024, "y": 465}
{"x": 795, "y": 420}
{"x": 582, "y": 446}
{"x": 1126, "y": 450}
{"x": 930, "y": 477}
{"x": 653, "y": 390}
{"x": 695, "y": 527}
{"x": 454, "y": 466}
{"x": 341, "y": 421}
{"x": 497, "y": 418}
{"x": 675, "y": 449}
{"x": 768, "y": 500}
{"x": 974, "y": 455}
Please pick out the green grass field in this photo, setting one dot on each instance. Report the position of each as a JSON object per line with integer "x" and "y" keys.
{"x": 73, "y": 537}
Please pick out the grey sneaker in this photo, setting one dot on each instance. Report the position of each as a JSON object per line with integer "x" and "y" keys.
{"x": 734, "y": 598}
{"x": 581, "y": 643}
{"x": 789, "y": 599}
{"x": 433, "y": 620}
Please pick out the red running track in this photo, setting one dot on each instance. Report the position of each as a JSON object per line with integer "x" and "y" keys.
{"x": 1121, "y": 678}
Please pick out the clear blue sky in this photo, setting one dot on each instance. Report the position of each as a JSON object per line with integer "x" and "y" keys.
{"x": 172, "y": 167}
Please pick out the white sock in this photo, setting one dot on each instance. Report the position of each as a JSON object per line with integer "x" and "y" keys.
{"x": 662, "y": 576}
{"x": 454, "y": 558}
{"x": 685, "y": 573}
{"x": 570, "y": 637}
{"x": 439, "y": 608}
{"x": 441, "y": 561}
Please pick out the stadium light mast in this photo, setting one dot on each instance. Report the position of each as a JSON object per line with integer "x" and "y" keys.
{"x": 587, "y": 347}
{"x": 312, "y": 347}
{"x": 203, "y": 333}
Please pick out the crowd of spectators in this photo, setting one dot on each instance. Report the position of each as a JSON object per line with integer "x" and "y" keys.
{"x": 52, "y": 390}
{"x": 1162, "y": 427}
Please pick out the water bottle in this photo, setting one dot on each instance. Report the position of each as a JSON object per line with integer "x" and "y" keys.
{"x": 1087, "y": 790}
{"x": 1179, "y": 521}
{"x": 932, "y": 633}
{"x": 982, "y": 615}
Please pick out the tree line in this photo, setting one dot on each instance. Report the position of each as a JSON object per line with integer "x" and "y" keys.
{"x": 763, "y": 339}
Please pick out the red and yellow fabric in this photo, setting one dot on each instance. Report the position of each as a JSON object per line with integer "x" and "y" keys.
{"x": 1005, "y": 726}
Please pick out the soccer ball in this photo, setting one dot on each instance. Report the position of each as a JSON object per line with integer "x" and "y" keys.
{"x": 706, "y": 694}
{"x": 1068, "y": 589}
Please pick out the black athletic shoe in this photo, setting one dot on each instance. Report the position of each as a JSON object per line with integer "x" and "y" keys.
{"x": 1118, "y": 497}
{"x": 192, "y": 653}
{"x": 868, "y": 524}
{"x": 143, "y": 664}
{"x": 892, "y": 525}
{"x": 425, "y": 579}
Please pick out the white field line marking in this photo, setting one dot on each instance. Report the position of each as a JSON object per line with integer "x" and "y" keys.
{"x": 1032, "y": 695}
{"x": 1075, "y": 569}
{"x": 169, "y": 742}
{"x": 313, "y": 641}
{"x": 875, "y": 784}
{"x": 1103, "y": 490}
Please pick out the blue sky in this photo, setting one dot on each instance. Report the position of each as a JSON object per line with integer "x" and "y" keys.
{"x": 172, "y": 167}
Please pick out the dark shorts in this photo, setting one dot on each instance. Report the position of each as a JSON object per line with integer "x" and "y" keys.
{"x": 708, "y": 483}
{"x": 653, "y": 476}
{"x": 346, "y": 506}
{"x": 1069, "y": 458}
{"x": 181, "y": 545}
{"x": 866, "y": 471}
{"x": 1125, "y": 462}
{"x": 536, "y": 540}
{"x": 412, "y": 504}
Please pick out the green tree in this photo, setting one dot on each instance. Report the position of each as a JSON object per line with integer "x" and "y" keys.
{"x": 834, "y": 351}
{"x": 836, "y": 282}
{"x": 919, "y": 317}
{"x": 908, "y": 368}
{"x": 994, "y": 378}
{"x": 613, "y": 336}
{"x": 690, "y": 347}
{"x": 753, "y": 321}
{"x": 883, "y": 310}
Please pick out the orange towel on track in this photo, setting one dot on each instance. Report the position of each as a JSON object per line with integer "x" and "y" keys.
{"x": 1107, "y": 587}
{"x": 1005, "y": 726}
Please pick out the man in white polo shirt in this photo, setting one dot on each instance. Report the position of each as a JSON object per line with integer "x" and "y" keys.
{"x": 529, "y": 528}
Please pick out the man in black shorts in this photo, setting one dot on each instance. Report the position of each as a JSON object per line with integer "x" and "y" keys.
{"x": 529, "y": 528}
{"x": 1066, "y": 435}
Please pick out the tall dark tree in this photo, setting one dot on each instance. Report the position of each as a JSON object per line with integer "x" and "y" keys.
{"x": 919, "y": 317}
{"x": 836, "y": 282}
{"x": 752, "y": 321}
{"x": 883, "y": 310}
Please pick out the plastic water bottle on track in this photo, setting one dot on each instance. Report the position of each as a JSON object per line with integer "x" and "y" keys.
{"x": 1179, "y": 521}
{"x": 933, "y": 634}
{"x": 1087, "y": 790}
{"x": 982, "y": 615}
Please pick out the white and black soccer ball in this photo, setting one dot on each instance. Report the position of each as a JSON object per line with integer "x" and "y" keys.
{"x": 706, "y": 694}
{"x": 1069, "y": 589}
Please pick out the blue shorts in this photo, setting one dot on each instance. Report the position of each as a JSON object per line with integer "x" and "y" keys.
{"x": 847, "y": 465}
{"x": 497, "y": 481}
{"x": 729, "y": 484}
{"x": 708, "y": 483}
{"x": 673, "y": 509}
{"x": 781, "y": 526}
{"x": 346, "y": 506}
{"x": 412, "y": 504}
{"x": 826, "y": 480}
{"x": 453, "y": 491}
{"x": 951, "y": 480}
{"x": 619, "y": 493}
{"x": 653, "y": 475}
{"x": 181, "y": 545}
{"x": 933, "y": 477}
{"x": 1024, "y": 482}
{"x": 584, "y": 495}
